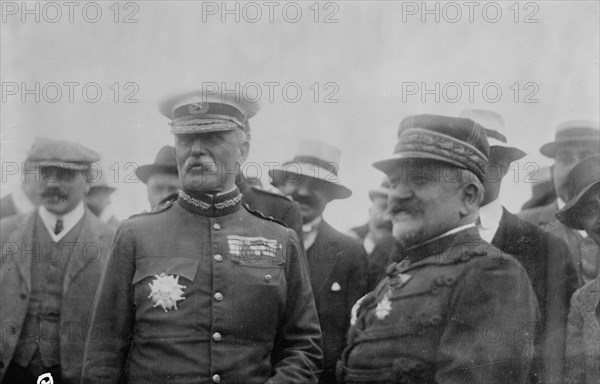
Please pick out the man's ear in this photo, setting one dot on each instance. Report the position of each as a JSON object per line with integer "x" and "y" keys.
{"x": 471, "y": 195}
{"x": 244, "y": 150}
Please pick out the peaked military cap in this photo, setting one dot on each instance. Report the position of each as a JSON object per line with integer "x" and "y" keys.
{"x": 197, "y": 111}
{"x": 454, "y": 140}
{"x": 61, "y": 154}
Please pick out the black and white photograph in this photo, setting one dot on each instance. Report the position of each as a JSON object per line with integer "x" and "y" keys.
{"x": 310, "y": 192}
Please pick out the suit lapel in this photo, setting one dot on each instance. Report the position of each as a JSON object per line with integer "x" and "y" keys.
{"x": 323, "y": 256}
{"x": 590, "y": 304}
{"x": 88, "y": 244}
{"x": 23, "y": 239}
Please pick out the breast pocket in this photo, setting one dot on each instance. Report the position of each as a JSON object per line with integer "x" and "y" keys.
{"x": 260, "y": 292}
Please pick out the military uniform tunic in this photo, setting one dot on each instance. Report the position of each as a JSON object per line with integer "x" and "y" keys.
{"x": 454, "y": 310}
{"x": 203, "y": 291}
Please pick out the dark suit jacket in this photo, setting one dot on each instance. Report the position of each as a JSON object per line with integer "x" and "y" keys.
{"x": 546, "y": 219}
{"x": 88, "y": 257}
{"x": 583, "y": 336}
{"x": 335, "y": 261}
{"x": 272, "y": 205}
{"x": 554, "y": 279}
{"x": 7, "y": 207}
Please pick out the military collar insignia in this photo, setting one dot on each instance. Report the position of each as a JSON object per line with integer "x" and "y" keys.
{"x": 211, "y": 205}
{"x": 449, "y": 249}
{"x": 165, "y": 291}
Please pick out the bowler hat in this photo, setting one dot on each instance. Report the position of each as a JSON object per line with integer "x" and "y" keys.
{"x": 495, "y": 131}
{"x": 575, "y": 131}
{"x": 316, "y": 160}
{"x": 164, "y": 163}
{"x": 453, "y": 140}
{"x": 199, "y": 111}
{"x": 584, "y": 176}
{"x": 62, "y": 154}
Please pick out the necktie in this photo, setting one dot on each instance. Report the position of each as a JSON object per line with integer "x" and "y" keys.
{"x": 58, "y": 227}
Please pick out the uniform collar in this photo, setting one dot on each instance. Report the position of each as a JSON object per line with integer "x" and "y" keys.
{"x": 440, "y": 243}
{"x": 70, "y": 219}
{"x": 212, "y": 205}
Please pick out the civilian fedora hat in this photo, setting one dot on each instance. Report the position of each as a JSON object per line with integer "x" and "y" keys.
{"x": 495, "y": 131}
{"x": 164, "y": 163}
{"x": 574, "y": 131}
{"x": 316, "y": 160}
{"x": 583, "y": 177}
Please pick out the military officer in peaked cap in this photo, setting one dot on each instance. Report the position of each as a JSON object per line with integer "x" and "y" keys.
{"x": 204, "y": 290}
{"x": 270, "y": 204}
{"x": 455, "y": 309}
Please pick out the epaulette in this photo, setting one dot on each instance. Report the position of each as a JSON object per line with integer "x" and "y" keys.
{"x": 269, "y": 192}
{"x": 163, "y": 206}
{"x": 262, "y": 216}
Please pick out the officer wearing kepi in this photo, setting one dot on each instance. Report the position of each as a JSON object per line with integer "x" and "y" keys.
{"x": 203, "y": 290}
{"x": 455, "y": 309}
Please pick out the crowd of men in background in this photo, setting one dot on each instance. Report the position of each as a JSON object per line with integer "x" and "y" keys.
{"x": 227, "y": 281}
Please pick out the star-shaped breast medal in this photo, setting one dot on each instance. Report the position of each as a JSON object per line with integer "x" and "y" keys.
{"x": 165, "y": 291}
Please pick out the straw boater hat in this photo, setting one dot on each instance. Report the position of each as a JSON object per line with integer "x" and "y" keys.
{"x": 575, "y": 131}
{"x": 316, "y": 160}
{"x": 583, "y": 177}
{"x": 453, "y": 140}
{"x": 164, "y": 163}
{"x": 495, "y": 131}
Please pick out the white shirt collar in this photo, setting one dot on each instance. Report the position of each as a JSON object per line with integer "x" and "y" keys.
{"x": 310, "y": 231}
{"x": 22, "y": 202}
{"x": 490, "y": 214}
{"x": 70, "y": 219}
{"x": 369, "y": 244}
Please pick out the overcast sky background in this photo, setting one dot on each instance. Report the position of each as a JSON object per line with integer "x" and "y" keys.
{"x": 369, "y": 56}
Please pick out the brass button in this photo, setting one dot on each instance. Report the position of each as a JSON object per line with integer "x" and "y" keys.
{"x": 218, "y": 296}
{"x": 268, "y": 278}
{"x": 216, "y": 336}
{"x": 216, "y": 379}
{"x": 218, "y": 258}
{"x": 216, "y": 226}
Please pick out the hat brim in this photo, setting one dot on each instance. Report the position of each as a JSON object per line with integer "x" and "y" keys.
{"x": 63, "y": 165}
{"x": 512, "y": 153}
{"x": 145, "y": 171}
{"x": 549, "y": 149}
{"x": 334, "y": 189}
{"x": 568, "y": 214}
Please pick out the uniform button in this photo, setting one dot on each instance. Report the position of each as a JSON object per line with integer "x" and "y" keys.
{"x": 268, "y": 278}
{"x": 216, "y": 226}
{"x": 218, "y": 258}
{"x": 216, "y": 336}
{"x": 23, "y": 296}
{"x": 218, "y": 296}
{"x": 216, "y": 379}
